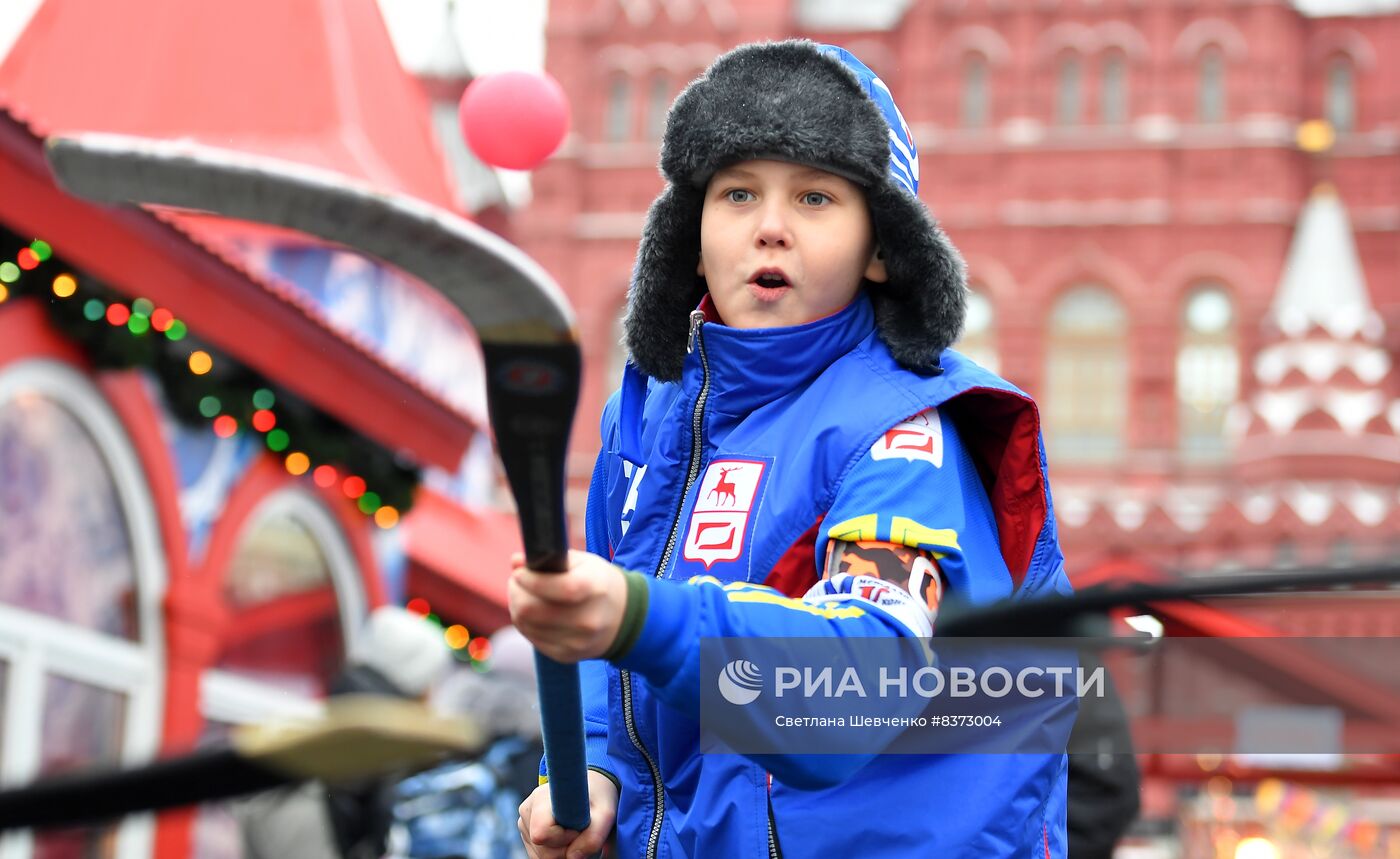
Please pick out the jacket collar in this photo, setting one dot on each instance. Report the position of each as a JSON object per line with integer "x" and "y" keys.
{"x": 749, "y": 367}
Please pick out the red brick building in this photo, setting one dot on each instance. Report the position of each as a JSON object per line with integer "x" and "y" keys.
{"x": 1127, "y": 184}
{"x": 1198, "y": 281}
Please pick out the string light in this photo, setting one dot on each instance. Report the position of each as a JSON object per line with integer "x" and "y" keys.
{"x": 325, "y": 476}
{"x": 140, "y": 316}
{"x": 298, "y": 463}
{"x": 4, "y": 293}
{"x": 418, "y": 605}
{"x": 353, "y": 487}
{"x": 64, "y": 286}
{"x": 456, "y": 636}
{"x": 479, "y": 649}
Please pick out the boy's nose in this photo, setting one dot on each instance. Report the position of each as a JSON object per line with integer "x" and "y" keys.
{"x": 772, "y": 228}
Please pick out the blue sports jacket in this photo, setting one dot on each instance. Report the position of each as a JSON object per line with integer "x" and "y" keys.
{"x": 773, "y": 442}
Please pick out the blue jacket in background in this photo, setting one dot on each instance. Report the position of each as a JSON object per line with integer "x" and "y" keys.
{"x": 773, "y": 442}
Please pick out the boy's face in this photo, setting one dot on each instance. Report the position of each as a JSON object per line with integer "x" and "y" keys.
{"x": 783, "y": 244}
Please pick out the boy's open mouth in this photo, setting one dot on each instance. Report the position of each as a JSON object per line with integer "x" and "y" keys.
{"x": 769, "y": 283}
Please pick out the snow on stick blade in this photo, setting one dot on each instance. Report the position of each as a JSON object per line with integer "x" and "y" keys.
{"x": 507, "y": 296}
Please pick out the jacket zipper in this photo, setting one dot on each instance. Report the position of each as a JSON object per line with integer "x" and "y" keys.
{"x": 773, "y": 852}
{"x": 697, "y": 340}
{"x": 772, "y": 838}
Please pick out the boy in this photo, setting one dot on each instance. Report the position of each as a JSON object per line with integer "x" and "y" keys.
{"x": 803, "y": 435}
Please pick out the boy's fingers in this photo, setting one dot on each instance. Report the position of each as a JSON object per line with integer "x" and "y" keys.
{"x": 587, "y": 845}
{"x": 552, "y": 587}
{"x": 550, "y": 834}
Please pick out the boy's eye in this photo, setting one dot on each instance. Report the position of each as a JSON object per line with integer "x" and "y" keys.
{"x": 815, "y": 198}
{"x": 738, "y": 195}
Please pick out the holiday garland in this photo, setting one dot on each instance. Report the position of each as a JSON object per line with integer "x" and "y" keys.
{"x": 203, "y": 386}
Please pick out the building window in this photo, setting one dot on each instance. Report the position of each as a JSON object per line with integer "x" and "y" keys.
{"x": 1207, "y": 372}
{"x": 82, "y": 577}
{"x": 618, "y": 126}
{"x": 65, "y": 551}
{"x": 658, "y": 104}
{"x": 974, "y": 92}
{"x": 1341, "y": 97}
{"x": 1069, "y": 87}
{"x": 1210, "y": 86}
{"x": 285, "y": 613}
{"x": 1087, "y": 376}
{"x": 1113, "y": 94}
{"x": 979, "y": 336}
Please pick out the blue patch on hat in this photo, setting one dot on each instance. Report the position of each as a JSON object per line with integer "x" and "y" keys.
{"x": 904, "y": 155}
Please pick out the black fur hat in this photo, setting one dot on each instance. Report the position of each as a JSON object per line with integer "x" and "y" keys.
{"x": 809, "y": 104}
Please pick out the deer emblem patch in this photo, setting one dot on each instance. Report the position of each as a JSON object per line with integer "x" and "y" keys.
{"x": 722, "y": 506}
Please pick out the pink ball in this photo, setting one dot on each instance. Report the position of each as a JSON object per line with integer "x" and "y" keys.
{"x": 513, "y": 120}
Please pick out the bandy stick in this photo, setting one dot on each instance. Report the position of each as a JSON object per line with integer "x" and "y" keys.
{"x": 520, "y": 316}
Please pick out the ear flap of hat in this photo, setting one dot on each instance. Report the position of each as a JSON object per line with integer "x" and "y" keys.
{"x": 665, "y": 287}
{"x": 919, "y": 311}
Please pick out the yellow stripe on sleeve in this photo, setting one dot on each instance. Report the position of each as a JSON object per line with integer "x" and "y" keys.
{"x": 772, "y": 598}
{"x": 907, "y": 532}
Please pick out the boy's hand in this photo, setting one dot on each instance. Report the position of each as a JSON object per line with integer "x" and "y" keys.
{"x": 545, "y": 839}
{"x": 569, "y": 616}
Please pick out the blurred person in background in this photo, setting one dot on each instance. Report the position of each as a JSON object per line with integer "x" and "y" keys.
{"x": 398, "y": 654}
{"x": 468, "y": 810}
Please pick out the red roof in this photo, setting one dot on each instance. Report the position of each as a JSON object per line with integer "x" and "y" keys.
{"x": 315, "y": 82}
{"x": 262, "y": 323}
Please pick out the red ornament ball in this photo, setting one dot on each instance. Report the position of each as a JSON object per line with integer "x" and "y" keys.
{"x": 514, "y": 120}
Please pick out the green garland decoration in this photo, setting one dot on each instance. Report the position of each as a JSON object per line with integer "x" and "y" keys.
{"x": 118, "y": 333}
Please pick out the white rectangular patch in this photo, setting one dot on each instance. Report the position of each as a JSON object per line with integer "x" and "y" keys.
{"x": 721, "y": 512}
{"x": 919, "y": 438}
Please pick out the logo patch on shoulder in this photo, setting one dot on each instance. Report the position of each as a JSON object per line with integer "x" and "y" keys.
{"x": 919, "y": 438}
{"x": 721, "y": 513}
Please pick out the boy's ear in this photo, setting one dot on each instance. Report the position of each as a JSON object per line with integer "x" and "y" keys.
{"x": 875, "y": 272}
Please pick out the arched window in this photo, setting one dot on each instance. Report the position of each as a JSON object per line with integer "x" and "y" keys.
{"x": 979, "y": 334}
{"x": 1340, "y": 107}
{"x": 658, "y": 103}
{"x": 618, "y": 124}
{"x": 290, "y": 589}
{"x": 1086, "y": 397}
{"x": 82, "y": 577}
{"x": 1113, "y": 90}
{"x": 1069, "y": 85}
{"x": 1207, "y": 371}
{"x": 1210, "y": 85}
{"x": 975, "y": 108}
